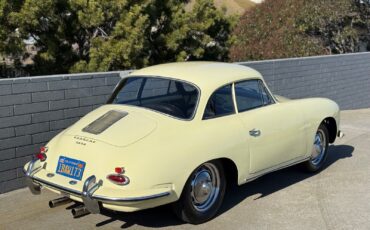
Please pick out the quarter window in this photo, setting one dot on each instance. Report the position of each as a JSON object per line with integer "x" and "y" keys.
{"x": 220, "y": 103}
{"x": 267, "y": 99}
{"x": 251, "y": 94}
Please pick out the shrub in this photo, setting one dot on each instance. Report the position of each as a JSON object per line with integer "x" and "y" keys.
{"x": 294, "y": 28}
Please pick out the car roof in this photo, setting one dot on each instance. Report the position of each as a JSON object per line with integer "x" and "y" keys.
{"x": 203, "y": 74}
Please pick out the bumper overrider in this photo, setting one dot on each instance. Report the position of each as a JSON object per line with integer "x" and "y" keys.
{"x": 91, "y": 201}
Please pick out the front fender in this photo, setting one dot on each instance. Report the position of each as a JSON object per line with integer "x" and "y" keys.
{"x": 316, "y": 110}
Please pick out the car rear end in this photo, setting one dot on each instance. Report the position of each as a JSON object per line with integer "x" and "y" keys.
{"x": 96, "y": 168}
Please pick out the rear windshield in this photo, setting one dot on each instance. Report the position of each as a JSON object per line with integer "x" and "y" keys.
{"x": 168, "y": 96}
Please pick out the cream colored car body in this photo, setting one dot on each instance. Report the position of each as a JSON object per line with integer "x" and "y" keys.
{"x": 159, "y": 152}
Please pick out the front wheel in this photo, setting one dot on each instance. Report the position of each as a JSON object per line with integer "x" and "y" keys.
{"x": 319, "y": 150}
{"x": 203, "y": 194}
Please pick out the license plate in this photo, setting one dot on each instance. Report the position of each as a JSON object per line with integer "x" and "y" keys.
{"x": 71, "y": 168}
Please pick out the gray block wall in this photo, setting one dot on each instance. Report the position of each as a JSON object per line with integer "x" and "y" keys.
{"x": 342, "y": 78}
{"x": 34, "y": 109}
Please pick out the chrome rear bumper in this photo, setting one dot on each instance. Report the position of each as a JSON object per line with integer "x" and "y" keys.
{"x": 90, "y": 200}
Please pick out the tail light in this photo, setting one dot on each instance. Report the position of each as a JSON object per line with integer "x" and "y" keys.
{"x": 118, "y": 178}
{"x": 42, "y": 154}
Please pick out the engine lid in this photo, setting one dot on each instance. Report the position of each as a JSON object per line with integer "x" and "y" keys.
{"x": 113, "y": 126}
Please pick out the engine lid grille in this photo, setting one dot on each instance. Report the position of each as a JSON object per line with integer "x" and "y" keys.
{"x": 104, "y": 122}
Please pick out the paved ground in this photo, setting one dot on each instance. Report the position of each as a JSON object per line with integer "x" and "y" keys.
{"x": 336, "y": 198}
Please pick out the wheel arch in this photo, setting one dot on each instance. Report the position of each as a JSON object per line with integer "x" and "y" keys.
{"x": 331, "y": 125}
{"x": 229, "y": 167}
{"x": 230, "y": 170}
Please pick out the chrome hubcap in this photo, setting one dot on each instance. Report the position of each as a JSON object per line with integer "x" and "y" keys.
{"x": 318, "y": 149}
{"x": 205, "y": 187}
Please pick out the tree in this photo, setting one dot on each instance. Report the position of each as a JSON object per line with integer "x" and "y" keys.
{"x": 161, "y": 31}
{"x": 52, "y": 26}
{"x": 363, "y": 7}
{"x": 293, "y": 28}
{"x": 100, "y": 35}
{"x": 10, "y": 42}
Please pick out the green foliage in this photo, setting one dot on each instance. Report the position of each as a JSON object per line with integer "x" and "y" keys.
{"x": 293, "y": 28}
{"x": 100, "y": 35}
{"x": 161, "y": 31}
{"x": 53, "y": 28}
{"x": 10, "y": 43}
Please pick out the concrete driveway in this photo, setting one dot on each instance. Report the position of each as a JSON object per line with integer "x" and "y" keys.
{"x": 336, "y": 198}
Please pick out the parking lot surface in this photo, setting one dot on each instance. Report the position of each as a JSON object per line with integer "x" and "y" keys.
{"x": 336, "y": 198}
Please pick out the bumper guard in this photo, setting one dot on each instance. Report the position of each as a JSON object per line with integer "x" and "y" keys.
{"x": 90, "y": 186}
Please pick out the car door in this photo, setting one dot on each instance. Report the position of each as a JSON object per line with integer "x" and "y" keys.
{"x": 222, "y": 131}
{"x": 274, "y": 131}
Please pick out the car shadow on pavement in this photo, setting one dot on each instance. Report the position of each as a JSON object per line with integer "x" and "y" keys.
{"x": 281, "y": 179}
{"x": 265, "y": 185}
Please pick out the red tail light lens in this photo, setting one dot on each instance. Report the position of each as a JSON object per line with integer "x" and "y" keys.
{"x": 118, "y": 179}
{"x": 43, "y": 149}
{"x": 119, "y": 170}
{"x": 42, "y": 155}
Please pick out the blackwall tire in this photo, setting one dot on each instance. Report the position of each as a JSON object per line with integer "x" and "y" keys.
{"x": 203, "y": 194}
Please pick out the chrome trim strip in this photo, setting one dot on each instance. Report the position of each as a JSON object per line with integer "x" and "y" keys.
{"x": 57, "y": 187}
{"x": 131, "y": 199}
{"x": 99, "y": 197}
{"x": 273, "y": 170}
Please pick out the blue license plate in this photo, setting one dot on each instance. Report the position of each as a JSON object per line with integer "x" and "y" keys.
{"x": 71, "y": 168}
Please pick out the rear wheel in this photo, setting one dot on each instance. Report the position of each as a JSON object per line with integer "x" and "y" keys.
{"x": 319, "y": 149}
{"x": 203, "y": 194}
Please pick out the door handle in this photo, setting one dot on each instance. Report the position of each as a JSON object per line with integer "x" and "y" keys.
{"x": 255, "y": 132}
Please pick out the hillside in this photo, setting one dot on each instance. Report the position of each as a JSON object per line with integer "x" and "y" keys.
{"x": 295, "y": 28}
{"x": 232, "y": 6}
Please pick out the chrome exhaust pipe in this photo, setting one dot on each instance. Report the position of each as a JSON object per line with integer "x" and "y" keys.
{"x": 59, "y": 201}
{"x": 340, "y": 134}
{"x": 80, "y": 211}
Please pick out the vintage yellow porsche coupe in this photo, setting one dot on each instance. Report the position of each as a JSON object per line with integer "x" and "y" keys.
{"x": 178, "y": 133}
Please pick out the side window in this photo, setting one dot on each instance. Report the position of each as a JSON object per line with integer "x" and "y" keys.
{"x": 248, "y": 95}
{"x": 220, "y": 103}
{"x": 267, "y": 99}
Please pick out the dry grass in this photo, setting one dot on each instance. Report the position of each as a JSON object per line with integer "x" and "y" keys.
{"x": 232, "y": 6}
{"x": 245, "y": 4}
